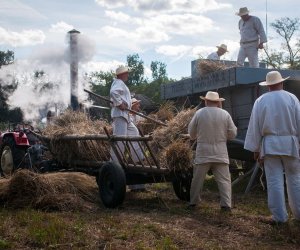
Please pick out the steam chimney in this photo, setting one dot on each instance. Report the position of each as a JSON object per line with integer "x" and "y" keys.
{"x": 74, "y": 67}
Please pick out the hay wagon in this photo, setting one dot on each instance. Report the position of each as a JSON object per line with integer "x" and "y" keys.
{"x": 90, "y": 154}
{"x": 239, "y": 86}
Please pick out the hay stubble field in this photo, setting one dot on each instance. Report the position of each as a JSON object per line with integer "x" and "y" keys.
{"x": 152, "y": 220}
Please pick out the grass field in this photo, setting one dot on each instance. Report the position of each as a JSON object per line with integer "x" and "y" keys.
{"x": 152, "y": 220}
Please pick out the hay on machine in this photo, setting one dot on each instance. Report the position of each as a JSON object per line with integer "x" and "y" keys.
{"x": 210, "y": 66}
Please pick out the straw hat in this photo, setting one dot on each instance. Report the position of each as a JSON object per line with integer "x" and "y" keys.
{"x": 223, "y": 46}
{"x": 272, "y": 78}
{"x": 212, "y": 96}
{"x": 134, "y": 101}
{"x": 242, "y": 11}
{"x": 122, "y": 69}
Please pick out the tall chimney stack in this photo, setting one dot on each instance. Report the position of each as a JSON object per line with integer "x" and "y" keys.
{"x": 74, "y": 68}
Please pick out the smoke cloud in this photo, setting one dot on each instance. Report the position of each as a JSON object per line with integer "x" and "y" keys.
{"x": 43, "y": 81}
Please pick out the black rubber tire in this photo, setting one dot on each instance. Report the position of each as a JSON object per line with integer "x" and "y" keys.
{"x": 182, "y": 185}
{"x": 112, "y": 184}
{"x": 17, "y": 153}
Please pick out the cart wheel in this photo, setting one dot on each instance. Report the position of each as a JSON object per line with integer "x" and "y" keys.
{"x": 11, "y": 156}
{"x": 182, "y": 185}
{"x": 112, "y": 184}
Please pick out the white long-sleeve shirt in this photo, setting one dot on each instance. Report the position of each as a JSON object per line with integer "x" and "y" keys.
{"x": 274, "y": 125}
{"x": 212, "y": 127}
{"x": 213, "y": 56}
{"x": 119, "y": 93}
{"x": 252, "y": 30}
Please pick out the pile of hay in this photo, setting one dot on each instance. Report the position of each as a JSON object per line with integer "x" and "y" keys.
{"x": 77, "y": 123}
{"x": 177, "y": 156}
{"x": 166, "y": 112}
{"x": 169, "y": 147}
{"x": 209, "y": 66}
{"x": 55, "y": 191}
{"x": 164, "y": 136}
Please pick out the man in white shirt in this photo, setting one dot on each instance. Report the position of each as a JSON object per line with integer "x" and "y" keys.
{"x": 273, "y": 135}
{"x": 222, "y": 49}
{"x": 121, "y": 100}
{"x": 212, "y": 126}
{"x": 252, "y": 38}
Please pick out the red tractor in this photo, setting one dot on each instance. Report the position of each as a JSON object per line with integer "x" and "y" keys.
{"x": 14, "y": 145}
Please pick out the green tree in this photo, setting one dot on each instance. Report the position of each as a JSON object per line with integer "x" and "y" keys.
{"x": 14, "y": 115}
{"x": 159, "y": 71}
{"x": 101, "y": 82}
{"x": 136, "y": 66}
{"x": 286, "y": 28}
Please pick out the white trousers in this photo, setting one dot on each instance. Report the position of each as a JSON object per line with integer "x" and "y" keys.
{"x": 222, "y": 177}
{"x": 275, "y": 168}
{"x": 250, "y": 52}
{"x": 122, "y": 128}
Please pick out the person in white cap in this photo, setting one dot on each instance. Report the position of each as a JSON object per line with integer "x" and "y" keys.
{"x": 212, "y": 126}
{"x": 222, "y": 49}
{"x": 273, "y": 135}
{"x": 253, "y": 37}
{"x": 121, "y": 99}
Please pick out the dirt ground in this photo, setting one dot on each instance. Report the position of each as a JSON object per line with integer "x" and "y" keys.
{"x": 152, "y": 220}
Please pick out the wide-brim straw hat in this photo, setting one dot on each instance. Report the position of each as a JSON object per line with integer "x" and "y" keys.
{"x": 135, "y": 101}
{"x": 121, "y": 70}
{"x": 272, "y": 78}
{"x": 242, "y": 11}
{"x": 212, "y": 96}
{"x": 223, "y": 46}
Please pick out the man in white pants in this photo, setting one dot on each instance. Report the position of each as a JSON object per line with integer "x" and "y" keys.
{"x": 252, "y": 38}
{"x": 273, "y": 135}
{"x": 121, "y": 99}
{"x": 212, "y": 126}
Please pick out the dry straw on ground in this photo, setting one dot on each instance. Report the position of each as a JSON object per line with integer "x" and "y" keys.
{"x": 54, "y": 191}
{"x": 209, "y": 66}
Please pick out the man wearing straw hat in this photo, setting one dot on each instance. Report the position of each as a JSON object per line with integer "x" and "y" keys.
{"x": 273, "y": 135}
{"x": 121, "y": 99}
{"x": 222, "y": 49}
{"x": 212, "y": 126}
{"x": 253, "y": 37}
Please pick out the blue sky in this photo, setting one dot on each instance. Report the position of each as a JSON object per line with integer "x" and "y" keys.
{"x": 171, "y": 31}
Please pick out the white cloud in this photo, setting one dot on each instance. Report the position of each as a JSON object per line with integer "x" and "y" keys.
{"x": 61, "y": 27}
{"x": 118, "y": 16}
{"x": 140, "y": 35}
{"x": 101, "y": 66}
{"x": 186, "y": 24}
{"x": 192, "y": 6}
{"x": 17, "y": 9}
{"x": 113, "y": 3}
{"x": 24, "y": 38}
{"x": 173, "y": 51}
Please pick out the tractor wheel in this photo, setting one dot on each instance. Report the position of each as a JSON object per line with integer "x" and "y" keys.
{"x": 182, "y": 185}
{"x": 112, "y": 184}
{"x": 11, "y": 156}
